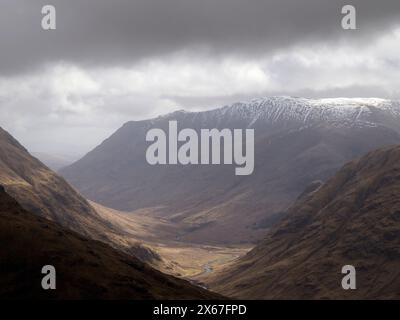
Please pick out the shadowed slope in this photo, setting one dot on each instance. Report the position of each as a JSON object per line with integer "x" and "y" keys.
{"x": 86, "y": 269}
{"x": 41, "y": 191}
{"x": 353, "y": 219}
{"x": 44, "y": 193}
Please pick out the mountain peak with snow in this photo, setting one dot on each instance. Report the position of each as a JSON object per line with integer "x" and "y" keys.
{"x": 295, "y": 112}
{"x": 309, "y": 111}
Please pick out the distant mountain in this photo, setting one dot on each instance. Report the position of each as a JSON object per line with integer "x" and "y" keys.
{"x": 353, "y": 219}
{"x": 54, "y": 161}
{"x": 297, "y": 141}
{"x": 85, "y": 269}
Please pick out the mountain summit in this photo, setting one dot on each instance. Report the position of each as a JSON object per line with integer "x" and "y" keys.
{"x": 292, "y": 110}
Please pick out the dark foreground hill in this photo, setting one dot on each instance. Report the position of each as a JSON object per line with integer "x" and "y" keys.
{"x": 85, "y": 269}
{"x": 353, "y": 219}
{"x": 43, "y": 192}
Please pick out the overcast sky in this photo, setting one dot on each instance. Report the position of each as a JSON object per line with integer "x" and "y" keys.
{"x": 108, "y": 62}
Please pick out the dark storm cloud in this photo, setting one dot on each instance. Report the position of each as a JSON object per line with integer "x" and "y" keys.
{"x": 106, "y": 33}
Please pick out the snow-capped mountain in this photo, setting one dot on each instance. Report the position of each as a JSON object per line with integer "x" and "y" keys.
{"x": 301, "y": 111}
{"x": 297, "y": 141}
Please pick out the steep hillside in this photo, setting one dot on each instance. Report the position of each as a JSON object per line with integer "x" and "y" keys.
{"x": 297, "y": 141}
{"x": 353, "y": 219}
{"x": 85, "y": 269}
{"x": 41, "y": 191}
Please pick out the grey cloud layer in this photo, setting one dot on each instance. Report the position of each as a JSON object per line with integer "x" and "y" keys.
{"x": 104, "y": 33}
{"x": 109, "y": 62}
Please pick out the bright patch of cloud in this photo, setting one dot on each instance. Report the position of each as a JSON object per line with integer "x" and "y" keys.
{"x": 67, "y": 107}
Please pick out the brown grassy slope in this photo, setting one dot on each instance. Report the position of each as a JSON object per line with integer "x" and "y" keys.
{"x": 352, "y": 219}
{"x": 41, "y": 191}
{"x": 86, "y": 269}
{"x": 166, "y": 253}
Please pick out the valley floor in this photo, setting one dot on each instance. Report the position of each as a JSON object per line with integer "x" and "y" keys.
{"x": 194, "y": 262}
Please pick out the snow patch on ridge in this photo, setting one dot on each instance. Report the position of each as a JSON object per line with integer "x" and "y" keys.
{"x": 299, "y": 112}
